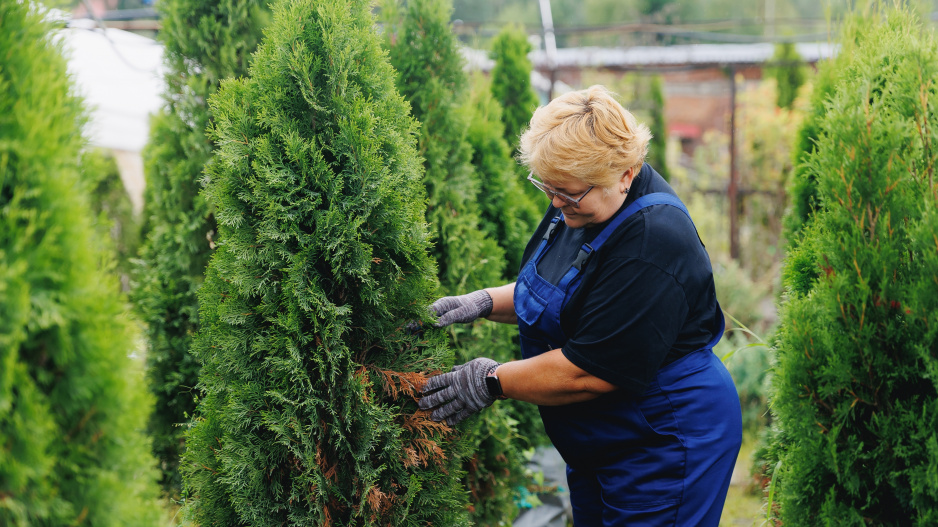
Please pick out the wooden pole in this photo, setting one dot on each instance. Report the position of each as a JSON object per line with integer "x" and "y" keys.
{"x": 733, "y": 190}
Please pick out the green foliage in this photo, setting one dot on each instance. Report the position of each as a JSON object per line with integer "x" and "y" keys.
{"x": 855, "y": 384}
{"x": 508, "y": 213}
{"x": 511, "y": 81}
{"x": 601, "y": 22}
{"x": 658, "y": 148}
{"x": 110, "y": 202}
{"x": 430, "y": 76}
{"x": 802, "y": 186}
{"x": 464, "y": 210}
{"x": 71, "y": 400}
{"x": 206, "y": 41}
{"x": 309, "y": 377}
{"x": 789, "y": 74}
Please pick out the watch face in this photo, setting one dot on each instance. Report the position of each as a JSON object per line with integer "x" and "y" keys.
{"x": 494, "y": 387}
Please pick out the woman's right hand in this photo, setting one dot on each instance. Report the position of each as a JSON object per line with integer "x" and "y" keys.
{"x": 462, "y": 308}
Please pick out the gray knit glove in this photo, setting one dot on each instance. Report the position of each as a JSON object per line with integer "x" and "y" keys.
{"x": 463, "y": 308}
{"x": 460, "y": 393}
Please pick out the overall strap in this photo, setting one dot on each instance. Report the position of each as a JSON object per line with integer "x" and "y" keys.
{"x": 547, "y": 238}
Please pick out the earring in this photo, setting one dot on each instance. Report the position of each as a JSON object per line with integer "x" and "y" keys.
{"x": 626, "y": 191}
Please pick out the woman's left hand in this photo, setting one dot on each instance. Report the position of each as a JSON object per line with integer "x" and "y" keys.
{"x": 460, "y": 393}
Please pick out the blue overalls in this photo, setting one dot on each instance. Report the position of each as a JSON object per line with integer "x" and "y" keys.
{"x": 663, "y": 459}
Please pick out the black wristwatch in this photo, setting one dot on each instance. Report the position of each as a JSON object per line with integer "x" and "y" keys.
{"x": 493, "y": 384}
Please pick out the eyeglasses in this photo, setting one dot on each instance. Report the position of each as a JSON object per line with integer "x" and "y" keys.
{"x": 569, "y": 200}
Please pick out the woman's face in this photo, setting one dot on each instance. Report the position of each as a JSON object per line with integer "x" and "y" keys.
{"x": 596, "y": 207}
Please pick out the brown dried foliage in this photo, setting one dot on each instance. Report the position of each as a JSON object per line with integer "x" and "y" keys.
{"x": 396, "y": 383}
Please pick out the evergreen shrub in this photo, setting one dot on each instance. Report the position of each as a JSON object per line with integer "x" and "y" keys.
{"x": 658, "y": 148}
{"x": 789, "y": 73}
{"x": 802, "y": 185}
{"x": 511, "y": 87}
{"x": 309, "y": 375}
{"x": 205, "y": 41}
{"x": 511, "y": 81}
{"x": 111, "y": 204}
{"x": 856, "y": 394}
{"x": 426, "y": 55}
{"x": 72, "y": 402}
{"x": 508, "y": 213}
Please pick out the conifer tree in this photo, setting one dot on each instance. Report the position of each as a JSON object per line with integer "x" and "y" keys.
{"x": 512, "y": 89}
{"x": 425, "y": 53}
{"x": 206, "y": 41}
{"x": 111, "y": 203}
{"x": 855, "y": 389}
{"x": 511, "y": 81}
{"x": 431, "y": 78}
{"x": 658, "y": 151}
{"x": 72, "y": 402}
{"x": 509, "y": 215}
{"x": 788, "y": 72}
{"x": 309, "y": 376}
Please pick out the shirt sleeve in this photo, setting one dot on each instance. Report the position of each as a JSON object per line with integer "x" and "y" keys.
{"x": 629, "y": 320}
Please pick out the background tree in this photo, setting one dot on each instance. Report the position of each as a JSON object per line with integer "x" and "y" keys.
{"x": 802, "y": 185}
{"x": 72, "y": 403}
{"x": 309, "y": 416}
{"x": 508, "y": 213}
{"x": 111, "y": 204}
{"x": 425, "y": 53}
{"x": 855, "y": 393}
{"x": 658, "y": 148}
{"x": 205, "y": 41}
{"x": 788, "y": 72}
{"x": 511, "y": 81}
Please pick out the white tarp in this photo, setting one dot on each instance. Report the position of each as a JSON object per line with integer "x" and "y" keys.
{"x": 120, "y": 75}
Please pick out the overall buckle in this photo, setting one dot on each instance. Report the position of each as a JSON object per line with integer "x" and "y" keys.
{"x": 586, "y": 251}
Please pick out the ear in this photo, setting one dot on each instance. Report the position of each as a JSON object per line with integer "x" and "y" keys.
{"x": 627, "y": 177}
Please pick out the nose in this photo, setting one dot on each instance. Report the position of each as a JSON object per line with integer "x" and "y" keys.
{"x": 556, "y": 201}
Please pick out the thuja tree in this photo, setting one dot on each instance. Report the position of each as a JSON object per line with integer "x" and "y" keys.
{"x": 309, "y": 375}
{"x": 72, "y": 402}
{"x": 856, "y": 391}
{"x": 511, "y": 81}
{"x": 425, "y": 53}
{"x": 111, "y": 203}
{"x": 508, "y": 214}
{"x": 789, "y": 74}
{"x": 802, "y": 186}
{"x": 205, "y": 41}
{"x": 512, "y": 89}
{"x": 658, "y": 149}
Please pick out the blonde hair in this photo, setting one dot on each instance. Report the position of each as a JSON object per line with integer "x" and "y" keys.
{"x": 586, "y": 135}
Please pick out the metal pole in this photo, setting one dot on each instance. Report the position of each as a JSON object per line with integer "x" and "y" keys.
{"x": 550, "y": 44}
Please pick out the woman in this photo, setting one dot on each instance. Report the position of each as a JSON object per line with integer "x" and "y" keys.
{"x": 618, "y": 316}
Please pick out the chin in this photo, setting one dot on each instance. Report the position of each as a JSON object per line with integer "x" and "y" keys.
{"x": 575, "y": 222}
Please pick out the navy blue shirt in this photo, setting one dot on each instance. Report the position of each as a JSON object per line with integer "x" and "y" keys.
{"x": 646, "y": 297}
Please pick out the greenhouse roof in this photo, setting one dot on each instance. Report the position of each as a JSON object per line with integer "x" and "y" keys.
{"x": 639, "y": 57}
